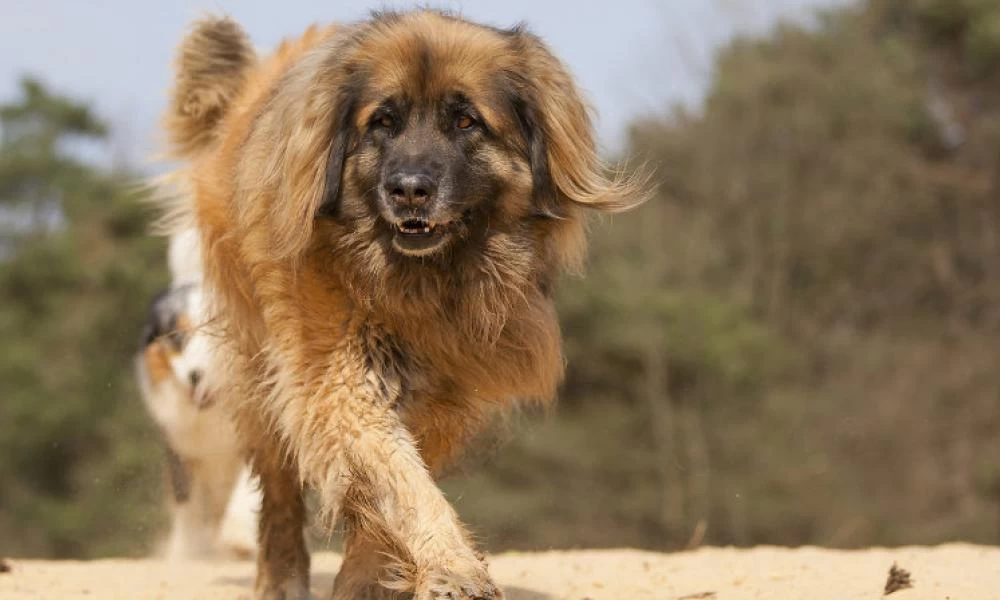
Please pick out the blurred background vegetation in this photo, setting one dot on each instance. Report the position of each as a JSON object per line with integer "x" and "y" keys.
{"x": 795, "y": 342}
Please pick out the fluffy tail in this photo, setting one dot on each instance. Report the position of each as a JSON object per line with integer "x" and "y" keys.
{"x": 211, "y": 67}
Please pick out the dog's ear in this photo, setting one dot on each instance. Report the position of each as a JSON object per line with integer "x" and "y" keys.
{"x": 343, "y": 139}
{"x": 315, "y": 153}
{"x": 556, "y": 124}
{"x": 210, "y": 69}
{"x": 544, "y": 195}
{"x": 299, "y": 143}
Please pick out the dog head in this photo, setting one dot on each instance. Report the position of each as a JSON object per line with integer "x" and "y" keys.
{"x": 443, "y": 130}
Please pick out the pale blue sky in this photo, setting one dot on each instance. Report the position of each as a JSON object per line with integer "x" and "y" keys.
{"x": 630, "y": 56}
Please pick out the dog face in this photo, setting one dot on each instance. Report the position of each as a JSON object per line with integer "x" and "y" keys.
{"x": 436, "y": 135}
{"x": 173, "y": 351}
{"x": 436, "y": 146}
{"x": 430, "y": 168}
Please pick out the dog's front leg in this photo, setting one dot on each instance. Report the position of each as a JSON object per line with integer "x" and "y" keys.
{"x": 353, "y": 447}
{"x": 393, "y": 497}
{"x": 282, "y": 558}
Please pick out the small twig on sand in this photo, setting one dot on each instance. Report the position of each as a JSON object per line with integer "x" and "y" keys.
{"x": 698, "y": 535}
{"x": 899, "y": 579}
{"x": 4, "y": 566}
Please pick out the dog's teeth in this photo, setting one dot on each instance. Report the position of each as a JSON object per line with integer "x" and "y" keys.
{"x": 427, "y": 229}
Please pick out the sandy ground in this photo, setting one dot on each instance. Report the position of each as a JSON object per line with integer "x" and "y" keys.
{"x": 956, "y": 572}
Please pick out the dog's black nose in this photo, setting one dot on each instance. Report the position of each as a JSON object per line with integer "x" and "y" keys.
{"x": 410, "y": 189}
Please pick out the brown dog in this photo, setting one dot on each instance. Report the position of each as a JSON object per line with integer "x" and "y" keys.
{"x": 385, "y": 207}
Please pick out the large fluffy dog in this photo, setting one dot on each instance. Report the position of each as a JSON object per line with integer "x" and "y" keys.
{"x": 385, "y": 207}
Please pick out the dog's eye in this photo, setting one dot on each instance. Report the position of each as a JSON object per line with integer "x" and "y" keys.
{"x": 385, "y": 120}
{"x": 176, "y": 340}
{"x": 465, "y": 122}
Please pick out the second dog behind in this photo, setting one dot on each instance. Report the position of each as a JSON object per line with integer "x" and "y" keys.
{"x": 213, "y": 503}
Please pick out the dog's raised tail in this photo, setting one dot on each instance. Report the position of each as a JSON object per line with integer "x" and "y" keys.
{"x": 210, "y": 70}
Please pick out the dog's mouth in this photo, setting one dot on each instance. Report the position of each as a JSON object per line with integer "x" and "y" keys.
{"x": 419, "y": 237}
{"x": 416, "y": 227}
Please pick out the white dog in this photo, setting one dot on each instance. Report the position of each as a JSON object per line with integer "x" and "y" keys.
{"x": 213, "y": 503}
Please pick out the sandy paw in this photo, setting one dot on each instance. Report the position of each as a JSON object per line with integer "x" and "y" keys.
{"x": 449, "y": 586}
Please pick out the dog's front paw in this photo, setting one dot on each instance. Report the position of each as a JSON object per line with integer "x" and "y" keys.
{"x": 450, "y": 585}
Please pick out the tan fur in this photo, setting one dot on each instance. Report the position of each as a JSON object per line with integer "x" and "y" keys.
{"x": 157, "y": 364}
{"x": 349, "y": 370}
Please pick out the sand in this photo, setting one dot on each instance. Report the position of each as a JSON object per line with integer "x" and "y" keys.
{"x": 956, "y": 572}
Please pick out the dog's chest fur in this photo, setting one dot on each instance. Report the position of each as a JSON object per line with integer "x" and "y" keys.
{"x": 436, "y": 361}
